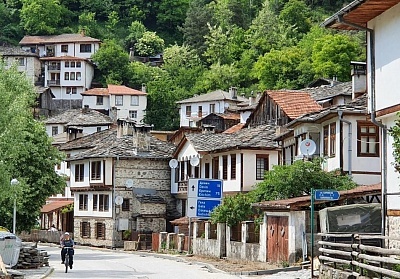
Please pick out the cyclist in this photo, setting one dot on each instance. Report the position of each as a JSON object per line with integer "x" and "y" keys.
{"x": 67, "y": 241}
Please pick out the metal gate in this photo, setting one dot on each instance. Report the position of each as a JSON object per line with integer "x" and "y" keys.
{"x": 277, "y": 239}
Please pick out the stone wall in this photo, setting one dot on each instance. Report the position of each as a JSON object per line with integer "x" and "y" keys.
{"x": 92, "y": 240}
{"x": 393, "y": 225}
{"x": 326, "y": 272}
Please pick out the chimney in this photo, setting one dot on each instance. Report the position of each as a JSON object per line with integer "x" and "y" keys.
{"x": 131, "y": 53}
{"x": 141, "y": 137}
{"x": 252, "y": 99}
{"x": 85, "y": 109}
{"x": 233, "y": 92}
{"x": 82, "y": 31}
{"x": 358, "y": 78}
{"x": 144, "y": 88}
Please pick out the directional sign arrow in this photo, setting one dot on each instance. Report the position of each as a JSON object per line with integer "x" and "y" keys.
{"x": 193, "y": 187}
{"x": 192, "y": 207}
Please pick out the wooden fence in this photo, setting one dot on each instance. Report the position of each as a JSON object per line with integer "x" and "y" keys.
{"x": 361, "y": 255}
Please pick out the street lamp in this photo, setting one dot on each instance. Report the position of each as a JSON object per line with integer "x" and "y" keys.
{"x": 14, "y": 182}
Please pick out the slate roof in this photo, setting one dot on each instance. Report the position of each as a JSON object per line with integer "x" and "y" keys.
{"x": 250, "y": 138}
{"x": 54, "y": 39}
{"x": 106, "y": 144}
{"x": 294, "y": 103}
{"x": 217, "y": 95}
{"x": 15, "y": 51}
{"x": 326, "y": 92}
{"x": 112, "y": 90}
{"x": 357, "y": 106}
{"x": 234, "y": 128}
{"x": 80, "y": 117}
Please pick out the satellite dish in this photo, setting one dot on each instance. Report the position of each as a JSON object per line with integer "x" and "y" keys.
{"x": 307, "y": 147}
{"x": 129, "y": 183}
{"x": 173, "y": 163}
{"x": 119, "y": 200}
{"x": 194, "y": 161}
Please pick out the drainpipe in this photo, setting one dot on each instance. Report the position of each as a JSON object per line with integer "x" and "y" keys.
{"x": 349, "y": 150}
{"x": 373, "y": 119}
{"x": 114, "y": 213}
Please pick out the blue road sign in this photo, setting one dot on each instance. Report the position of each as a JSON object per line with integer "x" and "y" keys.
{"x": 204, "y": 207}
{"x": 326, "y": 195}
{"x": 205, "y": 188}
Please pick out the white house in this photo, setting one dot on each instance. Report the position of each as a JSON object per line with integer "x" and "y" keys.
{"x": 118, "y": 101}
{"x": 239, "y": 159}
{"x": 193, "y": 109}
{"x": 381, "y": 21}
{"x": 68, "y": 69}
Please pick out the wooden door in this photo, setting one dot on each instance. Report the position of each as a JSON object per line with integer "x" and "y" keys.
{"x": 277, "y": 239}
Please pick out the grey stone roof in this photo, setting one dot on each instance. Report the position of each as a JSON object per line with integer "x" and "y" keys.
{"x": 217, "y": 95}
{"x": 248, "y": 138}
{"x": 15, "y": 51}
{"x": 325, "y": 92}
{"x": 357, "y": 106}
{"x": 80, "y": 117}
{"x": 106, "y": 144}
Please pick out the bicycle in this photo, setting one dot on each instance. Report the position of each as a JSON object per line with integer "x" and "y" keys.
{"x": 67, "y": 255}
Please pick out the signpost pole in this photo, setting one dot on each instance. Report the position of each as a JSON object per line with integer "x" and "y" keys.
{"x": 189, "y": 242}
{"x": 312, "y": 233}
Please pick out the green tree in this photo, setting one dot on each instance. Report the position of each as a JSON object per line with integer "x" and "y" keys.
{"x": 136, "y": 31}
{"x": 88, "y": 25}
{"x": 217, "y": 42}
{"x": 26, "y": 154}
{"x": 332, "y": 55}
{"x": 111, "y": 24}
{"x": 40, "y": 17}
{"x": 149, "y": 44}
{"x": 299, "y": 20}
{"x": 112, "y": 61}
{"x": 395, "y": 133}
{"x": 217, "y": 77}
{"x": 233, "y": 209}
{"x": 295, "y": 180}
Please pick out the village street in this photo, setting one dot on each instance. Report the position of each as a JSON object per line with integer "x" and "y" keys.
{"x": 99, "y": 263}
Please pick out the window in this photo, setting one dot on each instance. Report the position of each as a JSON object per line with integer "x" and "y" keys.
{"x": 200, "y": 111}
{"x": 66, "y": 64}
{"x": 78, "y": 64}
{"x": 83, "y": 202}
{"x": 72, "y": 90}
{"x": 212, "y": 108}
{"x": 79, "y": 172}
{"x": 333, "y": 139}
{"x": 21, "y": 61}
{"x": 207, "y": 170}
{"x": 99, "y": 100}
{"x": 125, "y": 205}
{"x": 233, "y": 166}
{"x": 119, "y": 100}
{"x": 64, "y": 48}
{"x": 188, "y": 111}
{"x": 215, "y": 167}
{"x": 98, "y": 129}
{"x": 96, "y": 170}
{"x": 100, "y": 230}
{"x": 85, "y": 48}
{"x": 72, "y": 64}
{"x": 367, "y": 139}
{"x": 133, "y": 113}
{"x": 72, "y": 76}
{"x": 330, "y": 139}
{"x": 95, "y": 202}
{"x": 103, "y": 202}
{"x": 78, "y": 75}
{"x": 54, "y": 130}
{"x": 66, "y": 76}
{"x": 261, "y": 166}
{"x": 224, "y": 167}
{"x": 134, "y": 100}
{"x": 85, "y": 229}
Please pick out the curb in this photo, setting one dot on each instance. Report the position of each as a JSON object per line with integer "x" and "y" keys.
{"x": 48, "y": 272}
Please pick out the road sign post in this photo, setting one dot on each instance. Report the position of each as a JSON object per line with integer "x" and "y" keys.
{"x": 319, "y": 195}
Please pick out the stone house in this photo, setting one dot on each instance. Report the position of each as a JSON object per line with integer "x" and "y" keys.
{"x": 120, "y": 179}
{"x": 380, "y": 20}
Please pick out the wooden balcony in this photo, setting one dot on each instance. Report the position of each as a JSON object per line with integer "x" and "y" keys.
{"x": 53, "y": 82}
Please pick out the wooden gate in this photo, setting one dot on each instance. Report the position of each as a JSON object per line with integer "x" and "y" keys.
{"x": 155, "y": 241}
{"x": 277, "y": 239}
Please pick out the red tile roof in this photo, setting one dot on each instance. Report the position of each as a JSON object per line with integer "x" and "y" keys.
{"x": 234, "y": 129}
{"x": 96, "y": 92}
{"x": 53, "y": 39}
{"x": 123, "y": 90}
{"x": 294, "y": 103}
{"x": 52, "y": 206}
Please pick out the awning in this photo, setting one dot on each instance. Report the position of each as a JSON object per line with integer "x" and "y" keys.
{"x": 52, "y": 206}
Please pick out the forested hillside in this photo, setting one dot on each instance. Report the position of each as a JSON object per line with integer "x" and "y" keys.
{"x": 207, "y": 45}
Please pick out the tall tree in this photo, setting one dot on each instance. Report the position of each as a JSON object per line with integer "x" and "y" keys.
{"x": 26, "y": 154}
{"x": 40, "y": 17}
{"x": 218, "y": 77}
{"x": 149, "y": 44}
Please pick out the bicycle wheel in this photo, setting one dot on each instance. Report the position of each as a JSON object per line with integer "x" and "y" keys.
{"x": 66, "y": 262}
